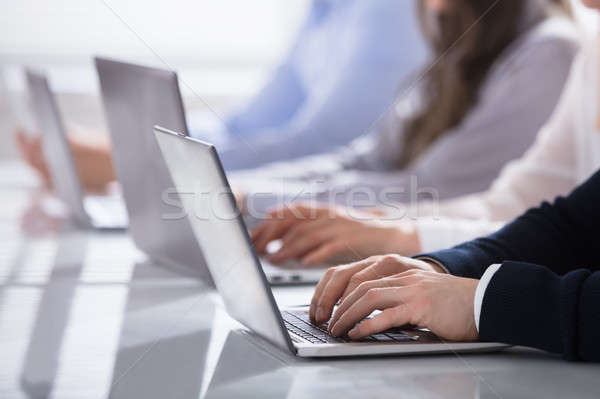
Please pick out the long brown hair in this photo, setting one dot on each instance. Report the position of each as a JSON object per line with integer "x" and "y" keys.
{"x": 465, "y": 42}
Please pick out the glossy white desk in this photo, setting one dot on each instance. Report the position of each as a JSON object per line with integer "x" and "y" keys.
{"x": 81, "y": 316}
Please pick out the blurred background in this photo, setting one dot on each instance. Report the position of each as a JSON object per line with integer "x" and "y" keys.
{"x": 222, "y": 49}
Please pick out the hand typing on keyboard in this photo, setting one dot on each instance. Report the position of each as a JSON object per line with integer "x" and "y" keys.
{"x": 437, "y": 301}
{"x": 298, "y": 323}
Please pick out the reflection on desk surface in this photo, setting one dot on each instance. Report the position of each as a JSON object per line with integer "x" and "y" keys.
{"x": 84, "y": 315}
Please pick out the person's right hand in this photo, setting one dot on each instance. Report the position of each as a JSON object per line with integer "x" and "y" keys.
{"x": 338, "y": 282}
{"x": 442, "y": 303}
{"x": 317, "y": 233}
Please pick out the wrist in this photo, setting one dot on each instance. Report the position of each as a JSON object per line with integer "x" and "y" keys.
{"x": 473, "y": 328}
{"x": 433, "y": 265}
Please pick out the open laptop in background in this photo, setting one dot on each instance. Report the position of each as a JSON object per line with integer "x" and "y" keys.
{"x": 239, "y": 277}
{"x": 97, "y": 211}
{"x": 135, "y": 99}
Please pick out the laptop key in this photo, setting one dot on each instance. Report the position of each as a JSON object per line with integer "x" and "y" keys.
{"x": 401, "y": 337}
{"x": 383, "y": 338}
{"x": 299, "y": 323}
{"x": 369, "y": 338}
{"x": 308, "y": 331}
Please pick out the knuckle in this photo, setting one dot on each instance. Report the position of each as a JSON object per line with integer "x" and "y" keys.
{"x": 327, "y": 301}
{"x": 338, "y": 272}
{"x": 357, "y": 279}
{"x": 330, "y": 272}
{"x": 363, "y": 287}
{"x": 388, "y": 258}
{"x": 389, "y": 282}
{"x": 371, "y": 294}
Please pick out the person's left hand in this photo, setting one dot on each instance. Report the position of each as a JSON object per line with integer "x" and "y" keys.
{"x": 92, "y": 158}
{"x": 440, "y": 302}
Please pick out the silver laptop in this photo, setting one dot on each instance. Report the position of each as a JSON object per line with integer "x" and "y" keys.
{"x": 103, "y": 212}
{"x": 239, "y": 277}
{"x": 135, "y": 99}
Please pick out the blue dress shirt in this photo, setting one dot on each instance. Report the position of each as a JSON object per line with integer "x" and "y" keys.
{"x": 344, "y": 69}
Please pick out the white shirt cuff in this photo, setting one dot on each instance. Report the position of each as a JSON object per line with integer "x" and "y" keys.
{"x": 480, "y": 291}
{"x": 435, "y": 235}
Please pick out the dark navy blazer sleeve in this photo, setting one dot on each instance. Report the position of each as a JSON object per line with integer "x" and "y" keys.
{"x": 547, "y": 292}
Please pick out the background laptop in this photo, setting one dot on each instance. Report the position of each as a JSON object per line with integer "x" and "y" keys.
{"x": 240, "y": 279}
{"x": 103, "y": 212}
{"x": 135, "y": 99}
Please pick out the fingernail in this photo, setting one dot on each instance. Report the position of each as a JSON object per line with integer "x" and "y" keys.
{"x": 335, "y": 331}
{"x": 353, "y": 333}
{"x": 320, "y": 315}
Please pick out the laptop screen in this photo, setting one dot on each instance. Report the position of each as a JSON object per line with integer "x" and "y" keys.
{"x": 55, "y": 146}
{"x": 135, "y": 99}
{"x": 222, "y": 235}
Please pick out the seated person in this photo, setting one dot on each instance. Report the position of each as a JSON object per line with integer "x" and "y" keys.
{"x": 536, "y": 282}
{"x": 564, "y": 154}
{"x": 343, "y": 69}
{"x": 480, "y": 104}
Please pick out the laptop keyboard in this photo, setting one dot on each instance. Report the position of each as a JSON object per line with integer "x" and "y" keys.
{"x": 298, "y": 322}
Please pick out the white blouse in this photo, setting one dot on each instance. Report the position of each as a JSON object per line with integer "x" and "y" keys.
{"x": 565, "y": 153}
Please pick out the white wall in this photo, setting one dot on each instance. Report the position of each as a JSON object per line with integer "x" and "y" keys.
{"x": 208, "y": 28}
{"x": 230, "y": 34}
